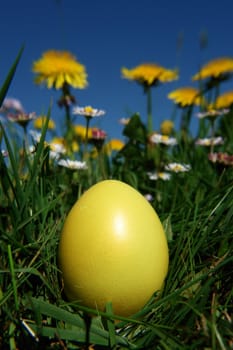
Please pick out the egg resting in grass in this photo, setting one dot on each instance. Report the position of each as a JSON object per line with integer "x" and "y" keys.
{"x": 113, "y": 249}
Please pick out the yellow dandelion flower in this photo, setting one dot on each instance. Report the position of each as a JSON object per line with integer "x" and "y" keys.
{"x": 186, "y": 96}
{"x": 40, "y": 121}
{"x": 167, "y": 127}
{"x": 74, "y": 146}
{"x": 80, "y": 131}
{"x": 58, "y": 140}
{"x": 149, "y": 74}
{"x": 61, "y": 141}
{"x": 215, "y": 68}
{"x": 56, "y": 68}
{"x": 114, "y": 145}
{"x": 224, "y": 100}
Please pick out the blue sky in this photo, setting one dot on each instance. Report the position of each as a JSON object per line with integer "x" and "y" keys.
{"x": 106, "y": 35}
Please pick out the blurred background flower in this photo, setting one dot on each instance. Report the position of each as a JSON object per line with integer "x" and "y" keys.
{"x": 72, "y": 164}
{"x": 216, "y": 68}
{"x": 177, "y": 167}
{"x": 210, "y": 141}
{"x": 224, "y": 100}
{"x": 221, "y": 158}
{"x": 186, "y": 96}
{"x": 80, "y": 132}
{"x": 40, "y": 122}
{"x": 157, "y": 138}
{"x": 22, "y": 118}
{"x": 167, "y": 127}
{"x": 12, "y": 106}
{"x": 149, "y": 75}
{"x": 114, "y": 145}
{"x": 159, "y": 175}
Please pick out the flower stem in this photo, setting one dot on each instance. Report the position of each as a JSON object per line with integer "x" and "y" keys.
{"x": 68, "y": 119}
{"x": 101, "y": 161}
{"x": 212, "y": 131}
{"x": 86, "y": 136}
{"x": 149, "y": 110}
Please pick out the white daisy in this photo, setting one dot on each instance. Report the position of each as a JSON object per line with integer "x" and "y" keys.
{"x": 159, "y": 175}
{"x": 88, "y": 111}
{"x": 72, "y": 164}
{"x": 177, "y": 167}
{"x": 163, "y": 139}
{"x": 56, "y": 149}
{"x": 212, "y": 113}
{"x": 35, "y": 135}
{"x": 124, "y": 121}
{"x": 212, "y": 141}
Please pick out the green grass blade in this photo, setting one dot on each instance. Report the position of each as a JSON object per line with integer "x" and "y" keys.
{"x": 7, "y": 82}
{"x": 110, "y": 325}
{"x": 58, "y": 313}
{"x": 13, "y": 278}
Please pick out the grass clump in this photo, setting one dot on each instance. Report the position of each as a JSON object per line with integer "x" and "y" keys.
{"x": 193, "y": 199}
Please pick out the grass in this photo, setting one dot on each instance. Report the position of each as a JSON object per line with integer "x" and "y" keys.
{"x": 193, "y": 311}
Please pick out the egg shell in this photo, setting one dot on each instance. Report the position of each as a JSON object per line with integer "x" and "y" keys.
{"x": 113, "y": 249}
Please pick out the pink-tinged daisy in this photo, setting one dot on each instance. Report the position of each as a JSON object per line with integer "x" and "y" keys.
{"x": 159, "y": 175}
{"x": 98, "y": 134}
{"x": 221, "y": 158}
{"x": 22, "y": 118}
{"x": 4, "y": 153}
{"x": 88, "y": 111}
{"x": 98, "y": 138}
{"x": 162, "y": 139}
{"x": 212, "y": 141}
{"x": 177, "y": 167}
{"x": 72, "y": 164}
{"x": 11, "y": 105}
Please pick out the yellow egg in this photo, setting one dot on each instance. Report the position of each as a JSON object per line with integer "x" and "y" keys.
{"x": 113, "y": 249}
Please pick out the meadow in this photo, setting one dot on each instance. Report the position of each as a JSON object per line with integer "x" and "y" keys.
{"x": 188, "y": 180}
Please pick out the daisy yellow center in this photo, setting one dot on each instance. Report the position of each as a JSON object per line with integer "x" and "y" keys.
{"x": 177, "y": 167}
{"x": 88, "y": 110}
{"x": 165, "y": 137}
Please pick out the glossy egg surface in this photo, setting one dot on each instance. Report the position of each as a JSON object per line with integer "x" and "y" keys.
{"x": 113, "y": 249}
